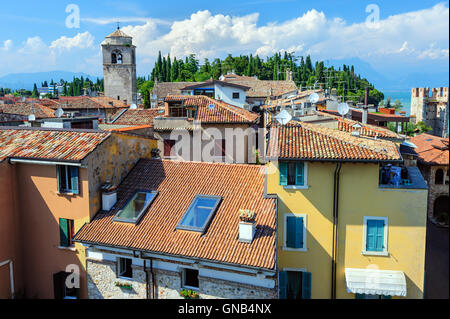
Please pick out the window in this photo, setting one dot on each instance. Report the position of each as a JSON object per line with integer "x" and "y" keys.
{"x": 178, "y": 110}
{"x": 375, "y": 236}
{"x": 292, "y": 173}
{"x": 439, "y": 177}
{"x": 190, "y": 278}
{"x": 67, "y": 177}
{"x": 168, "y": 146}
{"x": 116, "y": 58}
{"x": 66, "y": 232}
{"x": 235, "y": 95}
{"x": 124, "y": 268}
{"x": 295, "y": 232}
{"x": 219, "y": 147}
{"x": 136, "y": 206}
{"x": 60, "y": 289}
{"x": 199, "y": 213}
{"x": 295, "y": 284}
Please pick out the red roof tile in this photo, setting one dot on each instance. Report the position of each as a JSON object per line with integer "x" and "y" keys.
{"x": 432, "y": 150}
{"x": 138, "y": 116}
{"x": 40, "y": 111}
{"x": 241, "y": 187}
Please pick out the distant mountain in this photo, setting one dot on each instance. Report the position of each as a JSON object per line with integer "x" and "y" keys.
{"x": 26, "y": 80}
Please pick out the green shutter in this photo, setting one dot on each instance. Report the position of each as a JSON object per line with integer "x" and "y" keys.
{"x": 283, "y": 167}
{"x": 64, "y": 232}
{"x": 306, "y": 285}
{"x": 74, "y": 179}
{"x": 380, "y": 235}
{"x": 371, "y": 230}
{"x": 299, "y": 176}
{"x": 282, "y": 284}
{"x": 299, "y": 232}
{"x": 359, "y": 296}
{"x": 386, "y": 297}
{"x": 58, "y": 180}
{"x": 290, "y": 232}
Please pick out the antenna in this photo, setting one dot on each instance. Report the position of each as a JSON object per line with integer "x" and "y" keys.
{"x": 59, "y": 112}
{"x": 343, "y": 109}
{"x": 283, "y": 117}
{"x": 314, "y": 98}
{"x": 133, "y": 107}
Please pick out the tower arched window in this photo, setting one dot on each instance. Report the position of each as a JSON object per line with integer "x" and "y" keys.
{"x": 116, "y": 57}
{"x": 439, "y": 177}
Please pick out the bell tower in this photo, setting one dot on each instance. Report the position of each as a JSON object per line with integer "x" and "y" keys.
{"x": 119, "y": 67}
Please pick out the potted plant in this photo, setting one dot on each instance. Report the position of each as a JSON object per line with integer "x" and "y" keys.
{"x": 122, "y": 285}
{"x": 246, "y": 225}
{"x": 189, "y": 294}
{"x": 247, "y": 216}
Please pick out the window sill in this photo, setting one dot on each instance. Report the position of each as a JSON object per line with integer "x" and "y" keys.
{"x": 191, "y": 288}
{"x": 125, "y": 278}
{"x": 295, "y": 249}
{"x": 70, "y": 248}
{"x": 375, "y": 253}
{"x": 66, "y": 194}
{"x": 295, "y": 187}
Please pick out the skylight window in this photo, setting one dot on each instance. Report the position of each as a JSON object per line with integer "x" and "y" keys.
{"x": 136, "y": 206}
{"x": 200, "y": 213}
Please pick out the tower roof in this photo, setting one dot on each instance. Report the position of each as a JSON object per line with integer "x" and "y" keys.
{"x": 118, "y": 34}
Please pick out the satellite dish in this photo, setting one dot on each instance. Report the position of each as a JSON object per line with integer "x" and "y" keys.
{"x": 211, "y": 106}
{"x": 133, "y": 106}
{"x": 314, "y": 98}
{"x": 292, "y": 96}
{"x": 161, "y": 111}
{"x": 31, "y": 118}
{"x": 283, "y": 117}
{"x": 59, "y": 112}
{"x": 23, "y": 99}
{"x": 343, "y": 108}
{"x": 409, "y": 144}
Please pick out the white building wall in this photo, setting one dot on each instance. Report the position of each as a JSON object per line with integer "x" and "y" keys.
{"x": 225, "y": 93}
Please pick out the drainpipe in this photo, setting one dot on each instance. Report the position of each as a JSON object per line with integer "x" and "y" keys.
{"x": 146, "y": 275}
{"x": 334, "y": 247}
{"x": 11, "y": 275}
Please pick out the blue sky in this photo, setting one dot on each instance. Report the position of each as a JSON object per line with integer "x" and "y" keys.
{"x": 411, "y": 36}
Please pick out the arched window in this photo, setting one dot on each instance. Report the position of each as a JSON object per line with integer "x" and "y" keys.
{"x": 116, "y": 57}
{"x": 439, "y": 177}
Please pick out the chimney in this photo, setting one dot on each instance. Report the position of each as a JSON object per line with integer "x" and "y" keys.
{"x": 109, "y": 196}
{"x": 247, "y": 227}
{"x": 365, "y": 114}
{"x": 366, "y": 96}
{"x": 166, "y": 109}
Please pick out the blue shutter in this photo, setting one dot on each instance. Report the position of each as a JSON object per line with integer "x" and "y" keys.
{"x": 371, "y": 235}
{"x": 282, "y": 284}
{"x": 74, "y": 179}
{"x": 386, "y": 297}
{"x": 299, "y": 232}
{"x": 359, "y": 296}
{"x": 306, "y": 285}
{"x": 291, "y": 233}
{"x": 283, "y": 167}
{"x": 299, "y": 176}
{"x": 380, "y": 235}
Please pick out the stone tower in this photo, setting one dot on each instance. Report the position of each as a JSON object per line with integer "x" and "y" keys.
{"x": 119, "y": 67}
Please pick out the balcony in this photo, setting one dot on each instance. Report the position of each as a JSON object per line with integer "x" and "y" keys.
{"x": 401, "y": 177}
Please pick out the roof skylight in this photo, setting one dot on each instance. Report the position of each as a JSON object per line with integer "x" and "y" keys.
{"x": 136, "y": 206}
{"x": 199, "y": 213}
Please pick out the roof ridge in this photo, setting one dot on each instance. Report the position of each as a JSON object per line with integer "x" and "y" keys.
{"x": 232, "y": 108}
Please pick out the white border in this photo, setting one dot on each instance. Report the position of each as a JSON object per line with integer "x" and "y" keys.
{"x": 385, "y": 242}
{"x": 286, "y": 215}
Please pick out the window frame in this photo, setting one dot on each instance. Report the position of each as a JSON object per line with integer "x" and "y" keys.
{"x": 119, "y": 273}
{"x": 285, "y": 217}
{"x": 305, "y": 293}
{"x": 70, "y": 233}
{"x": 183, "y": 278}
{"x": 141, "y": 213}
{"x": 69, "y": 182}
{"x": 207, "y": 221}
{"x": 385, "y": 251}
{"x": 238, "y": 95}
{"x": 171, "y": 148}
{"x": 305, "y": 176}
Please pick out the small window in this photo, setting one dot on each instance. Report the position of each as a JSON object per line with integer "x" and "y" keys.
{"x": 61, "y": 291}
{"x": 190, "y": 278}
{"x": 124, "y": 268}
{"x": 66, "y": 232}
{"x": 295, "y": 232}
{"x": 375, "y": 235}
{"x": 67, "y": 177}
{"x": 235, "y": 95}
{"x": 135, "y": 207}
{"x": 295, "y": 285}
{"x": 219, "y": 147}
{"x": 199, "y": 213}
{"x": 168, "y": 146}
{"x": 439, "y": 177}
{"x": 292, "y": 173}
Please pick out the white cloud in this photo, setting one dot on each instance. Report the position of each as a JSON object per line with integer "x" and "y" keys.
{"x": 81, "y": 41}
{"x": 7, "y": 45}
{"x": 33, "y": 45}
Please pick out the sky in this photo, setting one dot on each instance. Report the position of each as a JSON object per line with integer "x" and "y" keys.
{"x": 392, "y": 36}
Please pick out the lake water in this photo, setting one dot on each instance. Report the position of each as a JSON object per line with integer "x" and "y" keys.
{"x": 403, "y": 96}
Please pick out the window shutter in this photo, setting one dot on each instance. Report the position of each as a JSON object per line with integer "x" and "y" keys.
{"x": 386, "y": 297}
{"x": 74, "y": 179}
{"x": 299, "y": 232}
{"x": 64, "y": 232}
{"x": 306, "y": 285}
{"x": 359, "y": 296}
{"x": 58, "y": 179}
{"x": 282, "y": 284}
{"x": 283, "y": 167}
{"x": 371, "y": 235}
{"x": 291, "y": 233}
{"x": 299, "y": 176}
{"x": 380, "y": 235}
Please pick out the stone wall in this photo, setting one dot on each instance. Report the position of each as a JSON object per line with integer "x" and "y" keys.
{"x": 219, "y": 289}
{"x": 434, "y": 190}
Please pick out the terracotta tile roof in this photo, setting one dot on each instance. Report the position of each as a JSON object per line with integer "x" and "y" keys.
{"x": 163, "y": 89}
{"x": 118, "y": 34}
{"x": 40, "y": 111}
{"x": 222, "y": 112}
{"x": 241, "y": 187}
{"x": 432, "y": 150}
{"x": 67, "y": 145}
{"x": 315, "y": 142}
{"x": 264, "y": 88}
{"x": 138, "y": 116}
{"x": 86, "y": 102}
{"x": 212, "y": 83}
